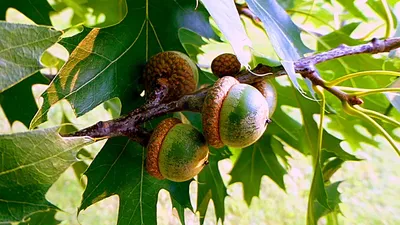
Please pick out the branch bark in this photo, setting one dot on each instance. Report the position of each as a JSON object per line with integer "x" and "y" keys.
{"x": 130, "y": 124}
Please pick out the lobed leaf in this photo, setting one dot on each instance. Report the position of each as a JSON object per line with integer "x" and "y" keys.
{"x": 253, "y": 163}
{"x": 21, "y": 47}
{"x": 30, "y": 163}
{"x": 211, "y": 186}
{"x": 333, "y": 196}
{"x": 350, "y": 6}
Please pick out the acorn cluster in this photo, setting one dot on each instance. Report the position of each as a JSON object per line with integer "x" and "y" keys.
{"x": 233, "y": 114}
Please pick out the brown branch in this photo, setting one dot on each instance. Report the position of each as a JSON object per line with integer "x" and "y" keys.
{"x": 130, "y": 125}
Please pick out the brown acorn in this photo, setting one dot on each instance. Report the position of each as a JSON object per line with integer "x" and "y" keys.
{"x": 226, "y": 64}
{"x": 234, "y": 114}
{"x": 172, "y": 70}
{"x": 176, "y": 151}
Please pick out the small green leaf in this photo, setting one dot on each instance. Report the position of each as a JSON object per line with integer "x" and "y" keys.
{"x": 317, "y": 195}
{"x": 350, "y": 6}
{"x": 119, "y": 169}
{"x": 330, "y": 168}
{"x": 253, "y": 163}
{"x": 211, "y": 186}
{"x": 383, "y": 10}
{"x": 30, "y": 163}
{"x": 333, "y": 196}
{"x": 20, "y": 54}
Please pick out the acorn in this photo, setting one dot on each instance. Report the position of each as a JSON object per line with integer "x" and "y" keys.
{"x": 269, "y": 92}
{"x": 174, "y": 71}
{"x": 176, "y": 151}
{"x": 234, "y": 114}
{"x": 226, "y": 64}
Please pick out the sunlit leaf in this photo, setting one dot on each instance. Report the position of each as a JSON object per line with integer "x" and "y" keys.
{"x": 350, "y": 6}
{"x": 16, "y": 48}
{"x": 30, "y": 163}
{"x": 253, "y": 163}
{"x": 333, "y": 196}
{"x": 318, "y": 195}
{"x": 384, "y": 11}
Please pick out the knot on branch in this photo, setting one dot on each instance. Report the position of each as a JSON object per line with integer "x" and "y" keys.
{"x": 377, "y": 45}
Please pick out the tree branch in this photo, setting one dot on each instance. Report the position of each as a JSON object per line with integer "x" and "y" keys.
{"x": 130, "y": 125}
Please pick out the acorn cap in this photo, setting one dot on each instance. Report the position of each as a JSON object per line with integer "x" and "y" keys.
{"x": 212, "y": 107}
{"x": 154, "y": 146}
{"x": 225, "y": 64}
{"x": 177, "y": 68}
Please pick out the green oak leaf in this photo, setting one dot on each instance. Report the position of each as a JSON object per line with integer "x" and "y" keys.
{"x": 379, "y": 8}
{"x": 333, "y": 196}
{"x": 253, "y": 163}
{"x": 317, "y": 195}
{"x": 330, "y": 168}
{"x": 211, "y": 186}
{"x": 350, "y": 6}
{"x": 21, "y": 48}
{"x": 18, "y": 102}
{"x": 110, "y": 61}
{"x": 119, "y": 170}
{"x": 298, "y": 132}
{"x": 30, "y": 162}
{"x": 36, "y": 10}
